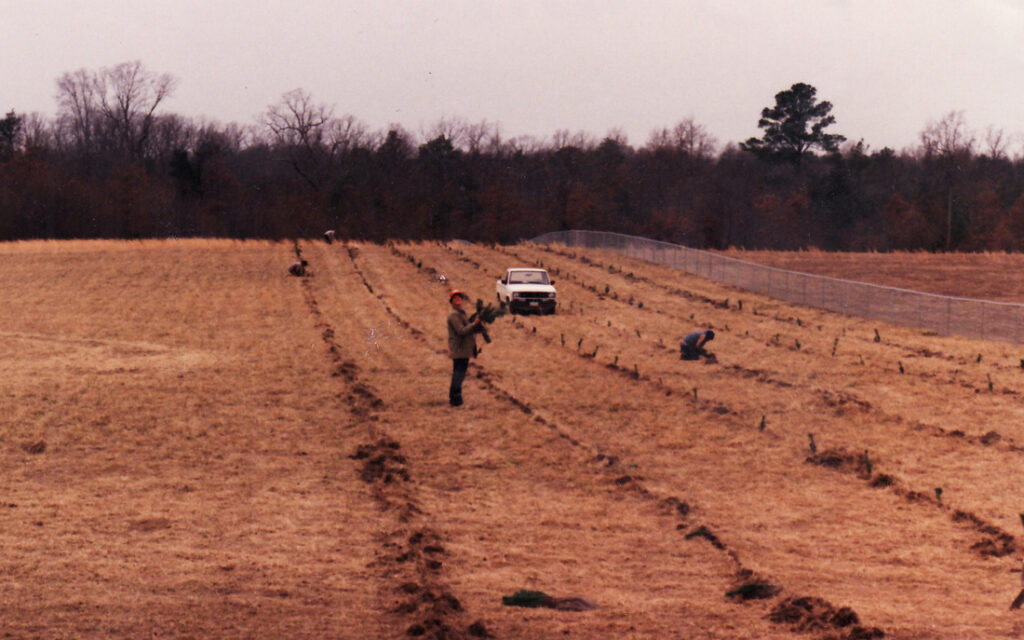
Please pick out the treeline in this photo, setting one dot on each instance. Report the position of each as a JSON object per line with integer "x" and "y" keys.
{"x": 110, "y": 165}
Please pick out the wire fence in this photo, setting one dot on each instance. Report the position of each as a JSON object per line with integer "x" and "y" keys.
{"x": 946, "y": 315}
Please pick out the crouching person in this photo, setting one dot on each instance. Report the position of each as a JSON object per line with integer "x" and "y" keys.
{"x": 692, "y": 347}
{"x": 298, "y": 268}
{"x": 461, "y": 344}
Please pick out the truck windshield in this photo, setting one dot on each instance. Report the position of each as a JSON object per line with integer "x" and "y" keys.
{"x": 528, "y": 277}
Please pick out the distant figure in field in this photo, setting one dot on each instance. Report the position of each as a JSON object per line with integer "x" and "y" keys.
{"x": 461, "y": 344}
{"x": 329, "y": 236}
{"x": 692, "y": 347}
{"x": 298, "y": 268}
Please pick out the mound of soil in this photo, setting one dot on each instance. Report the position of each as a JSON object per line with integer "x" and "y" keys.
{"x": 840, "y": 460}
{"x": 382, "y": 462}
{"x": 538, "y": 599}
{"x": 814, "y": 615}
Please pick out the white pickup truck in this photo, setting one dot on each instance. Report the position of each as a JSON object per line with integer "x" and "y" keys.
{"x": 524, "y": 289}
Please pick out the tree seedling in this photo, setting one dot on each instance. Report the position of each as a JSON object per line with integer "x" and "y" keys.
{"x": 979, "y": 358}
{"x": 563, "y": 339}
{"x": 938, "y": 494}
{"x": 814, "y": 447}
{"x": 763, "y": 424}
{"x": 797, "y": 344}
{"x": 579, "y": 344}
{"x": 835, "y": 344}
{"x": 695, "y": 394}
{"x": 636, "y": 371}
{"x": 739, "y": 305}
{"x": 878, "y": 338}
{"x": 989, "y": 376}
{"x": 616, "y": 363}
{"x": 867, "y": 463}
{"x": 638, "y": 333}
{"x": 900, "y": 363}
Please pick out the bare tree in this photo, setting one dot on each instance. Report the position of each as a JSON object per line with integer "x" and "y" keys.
{"x": 77, "y": 111}
{"x": 345, "y": 134}
{"x": 951, "y": 143}
{"x": 996, "y": 143}
{"x": 128, "y": 98}
{"x": 114, "y": 107}
{"x": 687, "y": 137}
{"x": 454, "y": 129}
{"x": 482, "y": 136}
{"x": 299, "y": 126}
{"x": 948, "y": 137}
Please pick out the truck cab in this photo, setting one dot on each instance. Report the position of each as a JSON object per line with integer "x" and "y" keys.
{"x": 526, "y": 289}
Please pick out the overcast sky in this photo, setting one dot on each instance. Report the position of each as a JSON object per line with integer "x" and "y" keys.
{"x": 889, "y": 67}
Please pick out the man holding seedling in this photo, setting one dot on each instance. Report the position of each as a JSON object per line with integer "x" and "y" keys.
{"x": 461, "y": 343}
{"x": 692, "y": 347}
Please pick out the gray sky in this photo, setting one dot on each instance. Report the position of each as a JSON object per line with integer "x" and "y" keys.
{"x": 889, "y": 67}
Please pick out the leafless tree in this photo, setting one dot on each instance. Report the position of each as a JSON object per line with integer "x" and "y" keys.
{"x": 687, "y": 137}
{"x": 128, "y": 99}
{"x": 996, "y": 143}
{"x": 948, "y": 137}
{"x": 454, "y": 129}
{"x": 482, "y": 136}
{"x": 114, "y": 107}
{"x": 299, "y": 126}
{"x": 582, "y": 140}
{"x": 77, "y": 110}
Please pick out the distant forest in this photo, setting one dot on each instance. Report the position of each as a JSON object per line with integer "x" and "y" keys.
{"x": 110, "y": 164}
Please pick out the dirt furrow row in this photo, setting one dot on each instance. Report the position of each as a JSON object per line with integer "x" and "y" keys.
{"x": 409, "y": 561}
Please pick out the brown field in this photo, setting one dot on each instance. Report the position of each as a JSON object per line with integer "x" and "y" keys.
{"x": 989, "y": 276}
{"x": 197, "y": 445}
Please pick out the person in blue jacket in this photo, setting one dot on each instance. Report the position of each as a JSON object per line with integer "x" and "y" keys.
{"x": 692, "y": 347}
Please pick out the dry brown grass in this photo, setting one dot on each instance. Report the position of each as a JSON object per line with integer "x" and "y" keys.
{"x": 182, "y": 417}
{"x": 989, "y": 276}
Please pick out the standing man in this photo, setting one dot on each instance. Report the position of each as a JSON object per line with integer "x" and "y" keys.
{"x": 461, "y": 344}
{"x": 692, "y": 347}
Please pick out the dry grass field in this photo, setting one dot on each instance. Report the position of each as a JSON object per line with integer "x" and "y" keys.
{"x": 989, "y": 276}
{"x": 197, "y": 445}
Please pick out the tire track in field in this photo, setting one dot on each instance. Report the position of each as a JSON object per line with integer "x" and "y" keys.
{"x": 800, "y": 613}
{"x": 409, "y": 561}
{"x": 993, "y": 541}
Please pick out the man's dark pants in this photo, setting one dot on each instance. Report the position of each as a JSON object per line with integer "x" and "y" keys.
{"x": 459, "y": 366}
